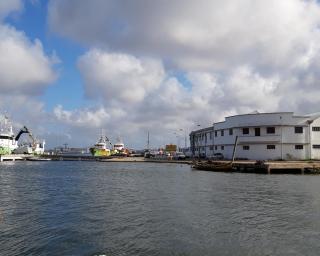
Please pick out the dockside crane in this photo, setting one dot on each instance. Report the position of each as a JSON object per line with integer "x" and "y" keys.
{"x": 26, "y": 130}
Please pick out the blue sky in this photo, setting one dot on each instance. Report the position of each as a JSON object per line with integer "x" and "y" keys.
{"x": 67, "y": 89}
{"x": 162, "y": 72}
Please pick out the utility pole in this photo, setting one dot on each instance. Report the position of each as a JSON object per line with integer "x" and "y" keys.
{"x": 65, "y": 145}
{"x": 148, "y": 142}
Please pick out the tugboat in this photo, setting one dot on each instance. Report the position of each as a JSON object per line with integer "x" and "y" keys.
{"x": 100, "y": 149}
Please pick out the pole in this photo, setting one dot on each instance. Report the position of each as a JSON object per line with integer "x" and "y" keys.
{"x": 281, "y": 153}
{"x": 234, "y": 148}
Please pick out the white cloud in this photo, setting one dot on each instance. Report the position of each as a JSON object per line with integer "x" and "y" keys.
{"x": 195, "y": 34}
{"x": 119, "y": 77}
{"x": 166, "y": 65}
{"x": 24, "y": 67}
{"x": 82, "y": 118}
{"x": 25, "y": 72}
{"x": 165, "y": 105}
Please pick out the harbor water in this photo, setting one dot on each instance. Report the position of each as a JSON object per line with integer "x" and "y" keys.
{"x": 97, "y": 208}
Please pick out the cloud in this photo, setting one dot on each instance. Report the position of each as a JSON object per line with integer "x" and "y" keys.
{"x": 165, "y": 105}
{"x": 169, "y": 65}
{"x": 119, "y": 77}
{"x": 24, "y": 67}
{"x": 194, "y": 34}
{"x": 25, "y": 72}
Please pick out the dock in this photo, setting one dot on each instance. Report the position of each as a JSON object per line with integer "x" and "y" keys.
{"x": 275, "y": 167}
{"x": 12, "y": 157}
{"x": 246, "y": 166}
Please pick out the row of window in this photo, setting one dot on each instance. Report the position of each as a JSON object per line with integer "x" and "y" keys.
{"x": 245, "y": 131}
{"x": 246, "y": 147}
{"x": 269, "y": 130}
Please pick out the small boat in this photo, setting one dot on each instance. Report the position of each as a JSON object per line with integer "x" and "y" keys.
{"x": 217, "y": 166}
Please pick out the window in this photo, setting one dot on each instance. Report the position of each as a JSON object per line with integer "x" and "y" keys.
{"x": 316, "y": 129}
{"x": 298, "y": 129}
{"x": 298, "y": 146}
{"x": 256, "y": 131}
{"x": 246, "y": 147}
{"x": 245, "y": 130}
{"x": 230, "y": 131}
{"x": 210, "y": 135}
{"x": 211, "y": 148}
{"x": 271, "y": 130}
{"x": 316, "y": 146}
{"x": 271, "y": 146}
{"x": 222, "y": 132}
{"x": 215, "y": 133}
{"x": 216, "y": 147}
{"x": 222, "y": 147}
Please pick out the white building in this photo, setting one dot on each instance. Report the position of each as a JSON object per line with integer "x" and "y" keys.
{"x": 261, "y": 136}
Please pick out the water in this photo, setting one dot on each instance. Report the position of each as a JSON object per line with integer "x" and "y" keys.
{"x": 89, "y": 208}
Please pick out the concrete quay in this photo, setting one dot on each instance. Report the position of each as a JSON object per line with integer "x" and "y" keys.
{"x": 12, "y": 157}
{"x": 275, "y": 167}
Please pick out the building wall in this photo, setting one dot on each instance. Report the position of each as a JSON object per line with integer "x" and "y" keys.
{"x": 201, "y": 142}
{"x": 284, "y": 143}
{"x": 315, "y": 139}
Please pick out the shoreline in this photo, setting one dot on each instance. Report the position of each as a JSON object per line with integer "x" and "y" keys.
{"x": 242, "y": 166}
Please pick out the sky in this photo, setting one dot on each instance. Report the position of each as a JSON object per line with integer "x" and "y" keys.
{"x": 69, "y": 69}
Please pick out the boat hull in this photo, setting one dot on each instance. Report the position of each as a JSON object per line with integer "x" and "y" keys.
{"x": 5, "y": 151}
{"x": 100, "y": 152}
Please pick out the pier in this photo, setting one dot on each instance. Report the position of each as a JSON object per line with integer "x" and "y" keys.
{"x": 274, "y": 167}
{"x": 245, "y": 166}
{"x": 12, "y": 157}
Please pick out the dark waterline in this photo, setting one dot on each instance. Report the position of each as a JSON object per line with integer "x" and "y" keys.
{"x": 89, "y": 208}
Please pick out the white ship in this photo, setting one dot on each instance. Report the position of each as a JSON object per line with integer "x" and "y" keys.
{"x": 35, "y": 147}
{"x": 119, "y": 148}
{"x": 8, "y": 141}
{"x": 119, "y": 145}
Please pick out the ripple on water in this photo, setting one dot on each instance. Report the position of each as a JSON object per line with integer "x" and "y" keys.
{"x": 82, "y": 208}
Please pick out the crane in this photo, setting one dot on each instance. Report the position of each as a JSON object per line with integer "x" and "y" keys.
{"x": 26, "y": 130}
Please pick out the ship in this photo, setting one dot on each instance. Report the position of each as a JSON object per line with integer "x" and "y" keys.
{"x": 100, "y": 149}
{"x": 119, "y": 149}
{"x": 9, "y": 142}
{"x": 35, "y": 148}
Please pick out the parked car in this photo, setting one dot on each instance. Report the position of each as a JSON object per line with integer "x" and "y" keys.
{"x": 179, "y": 156}
{"x": 217, "y": 156}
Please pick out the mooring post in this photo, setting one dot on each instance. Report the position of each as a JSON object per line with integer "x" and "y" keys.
{"x": 268, "y": 169}
{"x": 302, "y": 171}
